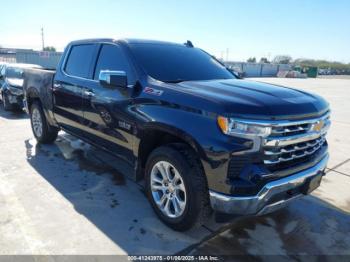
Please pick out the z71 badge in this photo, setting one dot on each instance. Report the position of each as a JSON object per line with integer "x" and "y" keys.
{"x": 152, "y": 91}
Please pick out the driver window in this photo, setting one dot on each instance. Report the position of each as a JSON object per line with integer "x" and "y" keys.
{"x": 112, "y": 58}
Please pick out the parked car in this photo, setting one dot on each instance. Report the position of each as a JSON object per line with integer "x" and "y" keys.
{"x": 200, "y": 138}
{"x": 2, "y": 65}
{"x": 11, "y": 85}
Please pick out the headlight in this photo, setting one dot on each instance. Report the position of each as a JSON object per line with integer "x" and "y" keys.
{"x": 15, "y": 90}
{"x": 234, "y": 127}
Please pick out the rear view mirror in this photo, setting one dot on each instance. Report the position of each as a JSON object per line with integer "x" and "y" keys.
{"x": 113, "y": 79}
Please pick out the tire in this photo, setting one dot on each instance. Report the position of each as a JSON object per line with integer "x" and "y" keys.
{"x": 189, "y": 193}
{"x": 6, "y": 103}
{"x": 43, "y": 132}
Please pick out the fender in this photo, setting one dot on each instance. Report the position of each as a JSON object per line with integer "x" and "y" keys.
{"x": 211, "y": 146}
{"x": 172, "y": 130}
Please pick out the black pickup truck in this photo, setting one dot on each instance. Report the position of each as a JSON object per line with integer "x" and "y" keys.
{"x": 201, "y": 138}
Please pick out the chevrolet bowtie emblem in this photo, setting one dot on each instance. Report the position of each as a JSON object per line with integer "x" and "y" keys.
{"x": 318, "y": 126}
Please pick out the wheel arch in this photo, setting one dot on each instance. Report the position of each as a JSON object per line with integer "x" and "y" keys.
{"x": 32, "y": 95}
{"x": 155, "y": 135}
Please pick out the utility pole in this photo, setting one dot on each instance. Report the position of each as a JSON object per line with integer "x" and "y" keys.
{"x": 42, "y": 38}
{"x": 227, "y": 54}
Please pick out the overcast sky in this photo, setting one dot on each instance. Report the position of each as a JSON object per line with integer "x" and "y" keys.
{"x": 262, "y": 28}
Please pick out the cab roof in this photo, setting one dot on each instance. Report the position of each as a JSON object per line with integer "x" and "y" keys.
{"x": 124, "y": 40}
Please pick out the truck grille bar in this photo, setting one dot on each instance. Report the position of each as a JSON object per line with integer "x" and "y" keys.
{"x": 297, "y": 151}
{"x": 292, "y": 141}
{"x": 287, "y": 130}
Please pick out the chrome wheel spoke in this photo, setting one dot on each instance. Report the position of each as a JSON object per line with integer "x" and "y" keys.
{"x": 37, "y": 123}
{"x": 167, "y": 168}
{"x": 161, "y": 201}
{"x": 180, "y": 187}
{"x": 157, "y": 180}
{"x": 162, "y": 171}
{"x": 181, "y": 203}
{"x": 176, "y": 206}
{"x": 167, "y": 208}
{"x": 157, "y": 187}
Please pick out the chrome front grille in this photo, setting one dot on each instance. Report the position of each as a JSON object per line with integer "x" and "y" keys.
{"x": 299, "y": 150}
{"x": 291, "y": 141}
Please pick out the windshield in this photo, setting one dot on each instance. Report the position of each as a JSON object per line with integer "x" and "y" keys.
{"x": 176, "y": 63}
{"x": 14, "y": 73}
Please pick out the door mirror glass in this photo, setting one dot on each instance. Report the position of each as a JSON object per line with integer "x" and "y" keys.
{"x": 113, "y": 79}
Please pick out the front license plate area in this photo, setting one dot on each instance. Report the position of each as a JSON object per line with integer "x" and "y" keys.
{"x": 12, "y": 99}
{"x": 311, "y": 184}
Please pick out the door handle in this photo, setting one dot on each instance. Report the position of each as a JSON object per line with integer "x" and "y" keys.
{"x": 89, "y": 93}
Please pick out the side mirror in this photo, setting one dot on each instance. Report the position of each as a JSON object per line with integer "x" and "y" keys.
{"x": 112, "y": 79}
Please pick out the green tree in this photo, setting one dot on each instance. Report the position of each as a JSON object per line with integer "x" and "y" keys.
{"x": 338, "y": 67}
{"x": 282, "y": 59}
{"x": 50, "y": 48}
{"x": 251, "y": 60}
{"x": 264, "y": 60}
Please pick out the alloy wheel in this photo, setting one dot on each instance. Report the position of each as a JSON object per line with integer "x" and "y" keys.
{"x": 168, "y": 189}
{"x": 37, "y": 122}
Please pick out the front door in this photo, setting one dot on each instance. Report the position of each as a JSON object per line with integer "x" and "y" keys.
{"x": 107, "y": 119}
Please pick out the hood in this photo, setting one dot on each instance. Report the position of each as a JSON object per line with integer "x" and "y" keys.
{"x": 242, "y": 98}
{"x": 16, "y": 82}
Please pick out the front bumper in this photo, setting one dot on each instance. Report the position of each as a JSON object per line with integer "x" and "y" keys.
{"x": 272, "y": 196}
{"x": 15, "y": 99}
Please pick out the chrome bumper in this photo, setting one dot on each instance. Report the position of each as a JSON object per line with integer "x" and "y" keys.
{"x": 261, "y": 203}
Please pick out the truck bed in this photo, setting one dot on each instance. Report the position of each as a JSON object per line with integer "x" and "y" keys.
{"x": 38, "y": 84}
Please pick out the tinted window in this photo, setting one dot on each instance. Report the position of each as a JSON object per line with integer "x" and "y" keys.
{"x": 3, "y": 69}
{"x": 79, "y": 60}
{"x": 112, "y": 58}
{"x": 14, "y": 73}
{"x": 171, "y": 63}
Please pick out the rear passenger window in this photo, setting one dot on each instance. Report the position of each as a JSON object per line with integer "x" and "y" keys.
{"x": 112, "y": 58}
{"x": 80, "y": 60}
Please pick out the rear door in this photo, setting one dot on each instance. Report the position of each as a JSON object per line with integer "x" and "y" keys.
{"x": 77, "y": 74}
{"x": 108, "y": 121}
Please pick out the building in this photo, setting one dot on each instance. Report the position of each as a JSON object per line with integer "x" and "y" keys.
{"x": 45, "y": 59}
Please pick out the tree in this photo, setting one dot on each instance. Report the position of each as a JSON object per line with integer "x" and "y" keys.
{"x": 282, "y": 59}
{"x": 264, "y": 60}
{"x": 251, "y": 60}
{"x": 324, "y": 64}
{"x": 50, "y": 49}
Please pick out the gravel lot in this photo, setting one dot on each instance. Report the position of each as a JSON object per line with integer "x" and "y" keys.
{"x": 67, "y": 199}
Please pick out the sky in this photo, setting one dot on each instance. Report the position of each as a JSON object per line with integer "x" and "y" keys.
{"x": 233, "y": 29}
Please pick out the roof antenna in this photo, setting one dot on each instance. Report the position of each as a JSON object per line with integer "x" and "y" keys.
{"x": 188, "y": 43}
